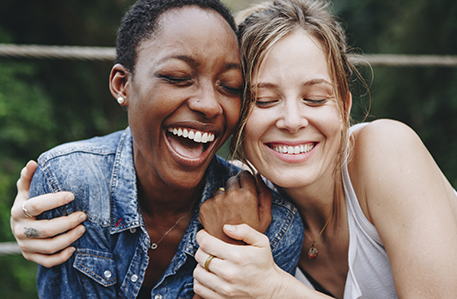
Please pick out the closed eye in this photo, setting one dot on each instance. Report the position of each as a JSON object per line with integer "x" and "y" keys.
{"x": 265, "y": 102}
{"x": 315, "y": 102}
{"x": 179, "y": 81}
{"x": 235, "y": 91}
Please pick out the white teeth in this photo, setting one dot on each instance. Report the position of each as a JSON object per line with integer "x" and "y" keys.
{"x": 294, "y": 150}
{"x": 197, "y": 136}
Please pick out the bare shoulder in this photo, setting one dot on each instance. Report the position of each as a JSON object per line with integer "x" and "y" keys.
{"x": 388, "y": 161}
{"x": 384, "y": 141}
{"x": 392, "y": 134}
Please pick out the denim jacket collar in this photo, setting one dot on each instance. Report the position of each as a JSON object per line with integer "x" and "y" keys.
{"x": 125, "y": 212}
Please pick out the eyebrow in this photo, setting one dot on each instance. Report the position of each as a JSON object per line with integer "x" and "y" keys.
{"x": 307, "y": 83}
{"x": 194, "y": 63}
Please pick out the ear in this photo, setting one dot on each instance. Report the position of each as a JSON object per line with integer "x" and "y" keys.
{"x": 119, "y": 82}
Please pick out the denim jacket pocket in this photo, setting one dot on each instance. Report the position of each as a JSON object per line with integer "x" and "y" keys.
{"x": 97, "y": 265}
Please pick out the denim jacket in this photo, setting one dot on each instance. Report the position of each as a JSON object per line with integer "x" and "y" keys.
{"x": 112, "y": 256}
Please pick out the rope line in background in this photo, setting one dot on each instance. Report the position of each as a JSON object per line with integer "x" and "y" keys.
{"x": 9, "y": 248}
{"x": 58, "y": 52}
{"x": 108, "y": 54}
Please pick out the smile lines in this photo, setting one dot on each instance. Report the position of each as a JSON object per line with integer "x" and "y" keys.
{"x": 197, "y": 136}
{"x": 293, "y": 150}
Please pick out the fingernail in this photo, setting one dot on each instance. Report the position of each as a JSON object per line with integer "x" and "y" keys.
{"x": 81, "y": 230}
{"x": 230, "y": 228}
{"x": 72, "y": 250}
{"x": 69, "y": 197}
{"x": 82, "y": 217}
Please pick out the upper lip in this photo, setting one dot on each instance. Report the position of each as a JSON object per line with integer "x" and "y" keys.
{"x": 196, "y": 126}
{"x": 289, "y": 143}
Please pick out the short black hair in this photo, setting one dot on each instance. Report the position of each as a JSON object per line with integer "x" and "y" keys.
{"x": 140, "y": 22}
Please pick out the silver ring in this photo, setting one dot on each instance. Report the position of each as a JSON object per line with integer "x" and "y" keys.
{"x": 24, "y": 210}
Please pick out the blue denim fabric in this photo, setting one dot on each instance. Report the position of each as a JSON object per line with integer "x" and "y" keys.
{"x": 111, "y": 257}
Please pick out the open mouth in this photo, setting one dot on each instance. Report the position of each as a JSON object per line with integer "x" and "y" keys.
{"x": 189, "y": 142}
{"x": 293, "y": 150}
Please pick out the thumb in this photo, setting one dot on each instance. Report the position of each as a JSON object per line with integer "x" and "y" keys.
{"x": 246, "y": 234}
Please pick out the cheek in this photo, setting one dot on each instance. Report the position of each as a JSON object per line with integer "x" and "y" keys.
{"x": 232, "y": 113}
{"x": 257, "y": 125}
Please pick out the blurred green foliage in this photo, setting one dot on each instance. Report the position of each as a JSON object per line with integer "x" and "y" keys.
{"x": 47, "y": 102}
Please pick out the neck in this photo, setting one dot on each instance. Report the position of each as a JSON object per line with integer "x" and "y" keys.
{"x": 163, "y": 204}
{"x": 315, "y": 202}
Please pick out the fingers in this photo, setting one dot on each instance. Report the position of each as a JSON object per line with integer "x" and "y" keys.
{"x": 43, "y": 229}
{"x": 37, "y": 205}
{"x": 47, "y": 246}
{"x": 210, "y": 245}
{"x": 49, "y": 261}
{"x": 246, "y": 180}
{"x": 247, "y": 234}
{"x": 232, "y": 184}
{"x": 202, "y": 282}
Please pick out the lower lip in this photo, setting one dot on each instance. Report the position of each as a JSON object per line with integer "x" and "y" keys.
{"x": 191, "y": 162}
{"x": 295, "y": 158}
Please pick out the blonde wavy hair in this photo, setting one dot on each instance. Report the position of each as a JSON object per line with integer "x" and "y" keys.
{"x": 262, "y": 25}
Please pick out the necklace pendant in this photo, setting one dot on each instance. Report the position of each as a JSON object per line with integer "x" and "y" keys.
{"x": 153, "y": 246}
{"x": 312, "y": 252}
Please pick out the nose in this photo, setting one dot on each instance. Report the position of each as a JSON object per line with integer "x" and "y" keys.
{"x": 291, "y": 117}
{"x": 206, "y": 102}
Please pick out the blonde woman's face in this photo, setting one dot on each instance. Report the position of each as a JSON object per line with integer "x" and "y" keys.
{"x": 293, "y": 135}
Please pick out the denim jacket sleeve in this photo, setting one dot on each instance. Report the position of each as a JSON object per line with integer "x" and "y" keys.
{"x": 65, "y": 280}
{"x": 285, "y": 233}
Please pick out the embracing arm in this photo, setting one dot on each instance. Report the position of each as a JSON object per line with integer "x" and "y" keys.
{"x": 412, "y": 205}
{"x": 40, "y": 240}
{"x": 244, "y": 271}
{"x": 248, "y": 270}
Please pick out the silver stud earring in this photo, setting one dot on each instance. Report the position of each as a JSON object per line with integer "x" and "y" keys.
{"x": 120, "y": 100}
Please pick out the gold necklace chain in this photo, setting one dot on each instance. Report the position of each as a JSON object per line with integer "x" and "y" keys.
{"x": 312, "y": 251}
{"x": 154, "y": 245}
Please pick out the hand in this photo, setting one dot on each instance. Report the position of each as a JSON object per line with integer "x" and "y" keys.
{"x": 237, "y": 271}
{"x": 242, "y": 202}
{"x": 37, "y": 238}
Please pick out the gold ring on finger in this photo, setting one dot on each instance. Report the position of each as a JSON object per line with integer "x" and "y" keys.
{"x": 222, "y": 189}
{"x": 208, "y": 260}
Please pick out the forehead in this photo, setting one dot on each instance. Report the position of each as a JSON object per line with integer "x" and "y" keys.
{"x": 296, "y": 55}
{"x": 193, "y": 31}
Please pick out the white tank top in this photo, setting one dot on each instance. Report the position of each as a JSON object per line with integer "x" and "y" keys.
{"x": 369, "y": 274}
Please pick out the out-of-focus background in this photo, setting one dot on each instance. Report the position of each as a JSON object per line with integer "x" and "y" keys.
{"x": 45, "y": 102}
